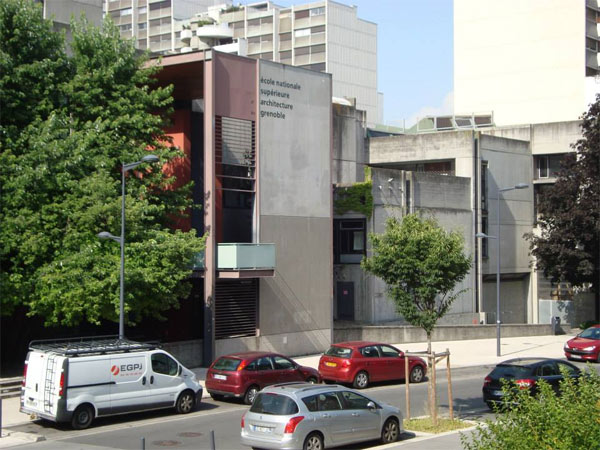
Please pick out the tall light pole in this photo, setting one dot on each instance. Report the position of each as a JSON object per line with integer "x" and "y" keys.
{"x": 121, "y": 239}
{"x": 497, "y": 237}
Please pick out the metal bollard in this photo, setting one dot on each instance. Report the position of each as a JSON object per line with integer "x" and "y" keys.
{"x": 143, "y": 442}
{"x": 212, "y": 440}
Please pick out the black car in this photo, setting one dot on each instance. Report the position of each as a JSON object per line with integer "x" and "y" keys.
{"x": 525, "y": 372}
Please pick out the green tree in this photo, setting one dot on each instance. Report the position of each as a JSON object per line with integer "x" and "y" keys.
{"x": 61, "y": 181}
{"x": 568, "y": 247}
{"x": 570, "y": 421}
{"x": 421, "y": 264}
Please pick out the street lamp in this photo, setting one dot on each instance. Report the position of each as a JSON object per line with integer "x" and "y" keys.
{"x": 497, "y": 237}
{"x": 121, "y": 239}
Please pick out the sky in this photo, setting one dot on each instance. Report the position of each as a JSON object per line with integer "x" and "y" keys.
{"x": 414, "y": 57}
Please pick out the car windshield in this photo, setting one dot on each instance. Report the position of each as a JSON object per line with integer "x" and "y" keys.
{"x": 590, "y": 333}
{"x": 339, "y": 352}
{"x": 227, "y": 364}
{"x": 510, "y": 372}
{"x": 275, "y": 404}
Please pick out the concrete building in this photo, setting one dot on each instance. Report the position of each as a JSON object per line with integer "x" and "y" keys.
{"x": 62, "y": 11}
{"x": 529, "y": 62}
{"x": 257, "y": 139}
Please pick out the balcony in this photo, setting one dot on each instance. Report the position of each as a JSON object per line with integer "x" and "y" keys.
{"x": 592, "y": 59}
{"x": 221, "y": 31}
{"x": 186, "y": 35}
{"x": 241, "y": 260}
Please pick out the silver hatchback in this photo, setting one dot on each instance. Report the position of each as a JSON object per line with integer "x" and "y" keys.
{"x": 302, "y": 416}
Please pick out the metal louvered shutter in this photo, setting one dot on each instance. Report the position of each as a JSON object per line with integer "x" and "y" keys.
{"x": 236, "y": 308}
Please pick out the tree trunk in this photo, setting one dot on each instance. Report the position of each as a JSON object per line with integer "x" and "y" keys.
{"x": 431, "y": 386}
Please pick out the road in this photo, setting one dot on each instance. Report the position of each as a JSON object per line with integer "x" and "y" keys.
{"x": 164, "y": 429}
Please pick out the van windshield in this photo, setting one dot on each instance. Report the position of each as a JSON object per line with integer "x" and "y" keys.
{"x": 227, "y": 364}
{"x": 275, "y": 404}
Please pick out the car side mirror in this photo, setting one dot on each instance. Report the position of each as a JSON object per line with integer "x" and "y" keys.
{"x": 179, "y": 370}
{"x": 372, "y": 406}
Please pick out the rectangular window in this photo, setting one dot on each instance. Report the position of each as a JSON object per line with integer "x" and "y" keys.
{"x": 160, "y": 5}
{"x": 238, "y": 25}
{"x": 350, "y": 240}
{"x": 126, "y": 27}
{"x": 316, "y": 30}
{"x": 317, "y": 11}
{"x": 302, "y": 51}
{"x": 267, "y": 55}
{"x": 302, "y": 14}
{"x": 253, "y": 22}
{"x": 484, "y": 186}
{"x": 254, "y": 40}
{"x": 317, "y": 49}
{"x": 266, "y": 38}
{"x": 125, "y": 12}
{"x": 484, "y": 241}
{"x": 285, "y": 55}
{"x": 266, "y": 20}
{"x": 142, "y": 26}
{"x": 542, "y": 166}
{"x": 285, "y": 37}
{"x": 143, "y": 10}
{"x": 302, "y": 32}
{"x": 407, "y": 195}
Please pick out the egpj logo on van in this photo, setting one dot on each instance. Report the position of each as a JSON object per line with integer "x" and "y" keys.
{"x": 127, "y": 370}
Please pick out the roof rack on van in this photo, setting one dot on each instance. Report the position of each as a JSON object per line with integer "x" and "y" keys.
{"x": 87, "y": 345}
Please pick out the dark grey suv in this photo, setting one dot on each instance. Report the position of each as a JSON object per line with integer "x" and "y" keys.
{"x": 302, "y": 416}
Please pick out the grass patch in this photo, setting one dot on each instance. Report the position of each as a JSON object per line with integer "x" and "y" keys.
{"x": 425, "y": 425}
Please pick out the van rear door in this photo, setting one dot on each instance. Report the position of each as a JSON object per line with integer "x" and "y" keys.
{"x": 42, "y": 383}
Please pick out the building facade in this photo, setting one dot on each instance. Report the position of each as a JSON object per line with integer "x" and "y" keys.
{"x": 528, "y": 62}
{"x": 257, "y": 139}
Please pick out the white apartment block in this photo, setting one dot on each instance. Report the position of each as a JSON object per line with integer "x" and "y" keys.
{"x": 533, "y": 61}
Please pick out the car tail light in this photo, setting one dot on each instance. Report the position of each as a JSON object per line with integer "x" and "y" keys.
{"x": 243, "y": 417}
{"x": 525, "y": 383}
{"x": 290, "y": 427}
{"x": 61, "y": 385}
{"x": 24, "y": 374}
{"x": 487, "y": 381}
{"x": 242, "y": 365}
{"x": 346, "y": 363}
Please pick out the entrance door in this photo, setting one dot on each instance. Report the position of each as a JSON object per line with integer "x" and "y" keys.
{"x": 345, "y": 300}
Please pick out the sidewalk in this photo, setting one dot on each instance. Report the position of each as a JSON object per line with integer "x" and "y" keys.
{"x": 462, "y": 354}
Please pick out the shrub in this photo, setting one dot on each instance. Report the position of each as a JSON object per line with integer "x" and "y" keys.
{"x": 570, "y": 421}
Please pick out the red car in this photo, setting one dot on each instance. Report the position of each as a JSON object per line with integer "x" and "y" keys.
{"x": 362, "y": 362}
{"x": 585, "y": 346}
{"x": 242, "y": 375}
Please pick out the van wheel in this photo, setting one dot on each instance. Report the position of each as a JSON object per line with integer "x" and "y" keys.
{"x": 361, "y": 380}
{"x": 417, "y": 374}
{"x": 251, "y": 394}
{"x": 82, "y": 417}
{"x": 185, "y": 402}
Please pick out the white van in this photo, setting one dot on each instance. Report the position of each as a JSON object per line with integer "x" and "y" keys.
{"x": 76, "y": 380}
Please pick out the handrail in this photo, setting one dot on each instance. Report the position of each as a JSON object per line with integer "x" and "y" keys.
{"x": 10, "y": 387}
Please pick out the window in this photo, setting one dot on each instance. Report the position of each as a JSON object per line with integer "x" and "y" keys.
{"x": 253, "y": 22}
{"x": 353, "y": 400}
{"x": 317, "y": 11}
{"x": 282, "y": 363}
{"x": 142, "y": 10}
{"x": 160, "y": 5}
{"x": 266, "y": 20}
{"x": 370, "y": 352}
{"x": 339, "y": 352}
{"x": 317, "y": 30}
{"x": 285, "y": 37}
{"x": 238, "y": 25}
{"x": 542, "y": 166}
{"x": 162, "y": 363}
{"x": 317, "y": 49}
{"x": 285, "y": 55}
{"x": 126, "y": 27}
{"x": 547, "y": 370}
{"x": 264, "y": 363}
{"x": 547, "y": 166}
{"x": 484, "y": 241}
{"x": 142, "y": 26}
{"x": 302, "y": 32}
{"x": 125, "y": 12}
{"x": 227, "y": 364}
{"x": 302, "y": 51}
{"x": 349, "y": 240}
{"x": 266, "y": 38}
{"x": 328, "y": 402}
{"x": 142, "y": 44}
{"x": 254, "y": 40}
{"x": 570, "y": 370}
{"x": 484, "y": 186}
{"x": 302, "y": 14}
{"x": 389, "y": 352}
{"x": 274, "y": 404}
{"x": 407, "y": 195}
{"x": 267, "y": 55}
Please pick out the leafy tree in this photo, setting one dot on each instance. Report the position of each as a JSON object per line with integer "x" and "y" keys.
{"x": 61, "y": 180}
{"x": 568, "y": 247}
{"x": 420, "y": 263}
{"x": 570, "y": 421}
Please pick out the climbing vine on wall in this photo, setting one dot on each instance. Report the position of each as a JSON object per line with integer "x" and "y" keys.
{"x": 357, "y": 198}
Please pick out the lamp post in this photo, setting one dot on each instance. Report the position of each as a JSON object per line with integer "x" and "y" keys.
{"x": 497, "y": 237}
{"x": 121, "y": 239}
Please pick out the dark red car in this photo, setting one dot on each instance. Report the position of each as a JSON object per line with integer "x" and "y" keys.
{"x": 585, "y": 346}
{"x": 242, "y": 375}
{"x": 361, "y": 363}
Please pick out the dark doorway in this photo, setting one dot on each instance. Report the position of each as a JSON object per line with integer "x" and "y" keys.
{"x": 345, "y": 300}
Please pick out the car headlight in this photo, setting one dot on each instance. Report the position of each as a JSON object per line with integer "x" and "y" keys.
{"x": 589, "y": 349}
{"x": 566, "y": 347}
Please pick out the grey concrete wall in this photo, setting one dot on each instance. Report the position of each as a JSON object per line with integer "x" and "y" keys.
{"x": 295, "y": 209}
{"x": 554, "y": 137}
{"x": 188, "y": 353}
{"x": 571, "y": 312}
{"x": 513, "y": 300}
{"x": 349, "y": 146}
{"x": 402, "y": 334}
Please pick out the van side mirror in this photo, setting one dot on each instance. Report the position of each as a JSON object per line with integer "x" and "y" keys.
{"x": 178, "y": 370}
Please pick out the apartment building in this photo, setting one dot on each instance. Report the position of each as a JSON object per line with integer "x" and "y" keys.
{"x": 155, "y": 24}
{"x": 534, "y": 61}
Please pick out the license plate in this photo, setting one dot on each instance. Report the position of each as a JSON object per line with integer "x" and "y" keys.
{"x": 220, "y": 377}
{"x": 31, "y": 402}
{"x": 576, "y": 357}
{"x": 262, "y": 429}
{"x": 331, "y": 364}
{"x": 497, "y": 393}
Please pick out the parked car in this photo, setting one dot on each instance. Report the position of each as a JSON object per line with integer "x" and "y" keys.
{"x": 585, "y": 346}
{"x": 77, "y": 380}
{"x": 360, "y": 363}
{"x": 303, "y": 416}
{"x": 242, "y": 375}
{"x": 525, "y": 373}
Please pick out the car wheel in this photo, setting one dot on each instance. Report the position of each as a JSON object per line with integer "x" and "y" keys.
{"x": 361, "y": 380}
{"x": 251, "y": 394}
{"x": 314, "y": 441}
{"x": 82, "y": 417}
{"x": 390, "y": 431}
{"x": 185, "y": 402}
{"x": 490, "y": 405}
{"x": 417, "y": 374}
{"x": 216, "y": 396}
{"x": 312, "y": 380}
